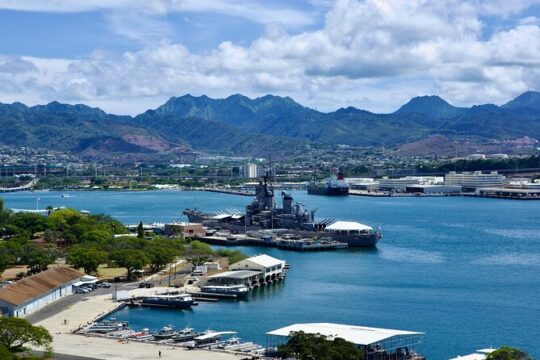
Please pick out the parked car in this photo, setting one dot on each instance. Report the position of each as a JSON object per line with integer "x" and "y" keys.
{"x": 146, "y": 285}
{"x": 82, "y": 290}
{"x": 104, "y": 284}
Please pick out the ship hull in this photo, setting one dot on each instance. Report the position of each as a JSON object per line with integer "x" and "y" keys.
{"x": 367, "y": 240}
{"x": 328, "y": 191}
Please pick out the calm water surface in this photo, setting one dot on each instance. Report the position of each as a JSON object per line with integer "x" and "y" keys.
{"x": 465, "y": 271}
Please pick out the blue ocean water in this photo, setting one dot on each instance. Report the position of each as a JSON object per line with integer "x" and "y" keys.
{"x": 465, "y": 271}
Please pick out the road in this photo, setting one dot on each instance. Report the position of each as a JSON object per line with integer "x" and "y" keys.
{"x": 60, "y": 305}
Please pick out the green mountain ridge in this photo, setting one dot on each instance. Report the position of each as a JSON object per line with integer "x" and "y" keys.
{"x": 267, "y": 125}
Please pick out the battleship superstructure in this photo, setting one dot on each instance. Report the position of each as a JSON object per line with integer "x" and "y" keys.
{"x": 262, "y": 212}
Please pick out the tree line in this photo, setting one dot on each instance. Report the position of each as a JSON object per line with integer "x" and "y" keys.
{"x": 88, "y": 241}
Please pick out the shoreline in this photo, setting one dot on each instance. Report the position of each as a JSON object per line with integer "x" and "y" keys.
{"x": 64, "y": 325}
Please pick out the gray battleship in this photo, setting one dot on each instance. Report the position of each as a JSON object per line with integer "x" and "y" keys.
{"x": 264, "y": 213}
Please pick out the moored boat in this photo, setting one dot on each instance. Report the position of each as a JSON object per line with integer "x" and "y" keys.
{"x": 240, "y": 291}
{"x": 179, "y": 301}
{"x": 335, "y": 185}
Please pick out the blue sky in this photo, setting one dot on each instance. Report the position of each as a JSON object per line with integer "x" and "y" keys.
{"x": 127, "y": 56}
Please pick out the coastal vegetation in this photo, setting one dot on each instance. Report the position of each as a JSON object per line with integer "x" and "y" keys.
{"x": 17, "y": 334}
{"x": 302, "y": 346}
{"x": 89, "y": 241}
{"x": 508, "y": 353}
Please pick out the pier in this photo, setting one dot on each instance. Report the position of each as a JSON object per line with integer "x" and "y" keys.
{"x": 230, "y": 191}
{"x": 25, "y": 187}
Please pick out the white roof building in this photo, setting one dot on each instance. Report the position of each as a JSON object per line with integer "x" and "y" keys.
{"x": 372, "y": 340}
{"x": 359, "y": 335}
{"x": 348, "y": 226}
{"x": 263, "y": 263}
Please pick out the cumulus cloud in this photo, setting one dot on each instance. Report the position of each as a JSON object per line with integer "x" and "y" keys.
{"x": 373, "y": 54}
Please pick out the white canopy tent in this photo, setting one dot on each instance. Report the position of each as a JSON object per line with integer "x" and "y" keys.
{"x": 359, "y": 335}
{"x": 348, "y": 226}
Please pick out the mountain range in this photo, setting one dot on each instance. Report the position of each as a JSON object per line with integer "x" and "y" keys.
{"x": 266, "y": 125}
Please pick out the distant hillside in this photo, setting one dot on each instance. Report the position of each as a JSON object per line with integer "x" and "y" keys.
{"x": 527, "y": 100}
{"x": 430, "y": 106}
{"x": 269, "y": 125}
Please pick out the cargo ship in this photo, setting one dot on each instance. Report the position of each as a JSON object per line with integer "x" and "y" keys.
{"x": 335, "y": 185}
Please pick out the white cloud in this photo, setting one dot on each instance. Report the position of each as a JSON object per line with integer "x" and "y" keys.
{"x": 373, "y": 54}
{"x": 256, "y": 11}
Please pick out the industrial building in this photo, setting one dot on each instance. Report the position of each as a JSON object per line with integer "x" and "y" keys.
{"x": 34, "y": 292}
{"x": 376, "y": 343}
{"x": 473, "y": 180}
{"x": 434, "y": 189}
{"x": 400, "y": 184}
{"x": 185, "y": 229}
{"x": 397, "y": 184}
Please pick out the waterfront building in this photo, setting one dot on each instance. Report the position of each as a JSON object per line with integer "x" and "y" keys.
{"x": 271, "y": 267}
{"x": 363, "y": 184}
{"x": 524, "y": 194}
{"x": 243, "y": 277}
{"x": 474, "y": 180}
{"x": 433, "y": 189}
{"x": 185, "y": 229}
{"x": 37, "y": 291}
{"x": 377, "y": 343}
{"x": 397, "y": 184}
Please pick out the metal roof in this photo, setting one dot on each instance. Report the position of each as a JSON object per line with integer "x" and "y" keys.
{"x": 348, "y": 225}
{"x": 37, "y": 285}
{"x": 264, "y": 260}
{"x": 359, "y": 335}
{"x": 240, "y": 274}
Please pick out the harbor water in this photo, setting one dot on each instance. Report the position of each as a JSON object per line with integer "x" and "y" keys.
{"x": 466, "y": 271}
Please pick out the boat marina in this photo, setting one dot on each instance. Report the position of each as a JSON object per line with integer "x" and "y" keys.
{"x": 169, "y": 335}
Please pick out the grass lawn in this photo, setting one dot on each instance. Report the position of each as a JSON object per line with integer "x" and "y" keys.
{"x": 106, "y": 272}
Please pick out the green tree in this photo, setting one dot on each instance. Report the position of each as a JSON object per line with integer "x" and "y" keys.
{"x": 140, "y": 230}
{"x": 87, "y": 258}
{"x": 233, "y": 256}
{"x": 16, "y": 334}
{"x": 197, "y": 253}
{"x": 32, "y": 223}
{"x": 96, "y": 236}
{"x": 304, "y": 346}
{"x": 130, "y": 259}
{"x": 159, "y": 256}
{"x": 508, "y": 353}
{"x": 4, "y": 214}
{"x": 5, "y": 259}
{"x": 38, "y": 259}
{"x": 5, "y": 354}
